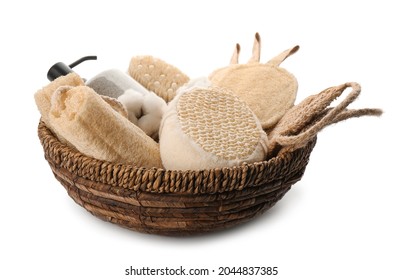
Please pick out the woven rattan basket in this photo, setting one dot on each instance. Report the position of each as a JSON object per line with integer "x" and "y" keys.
{"x": 172, "y": 202}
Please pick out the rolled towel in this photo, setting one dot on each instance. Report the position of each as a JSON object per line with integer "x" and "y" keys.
{"x": 144, "y": 107}
{"x": 206, "y": 128}
{"x": 144, "y": 110}
{"x": 84, "y": 119}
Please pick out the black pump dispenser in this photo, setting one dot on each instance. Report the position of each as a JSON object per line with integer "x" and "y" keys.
{"x": 61, "y": 69}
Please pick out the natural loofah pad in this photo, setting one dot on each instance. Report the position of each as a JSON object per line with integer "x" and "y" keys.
{"x": 268, "y": 89}
{"x": 157, "y": 75}
{"x": 207, "y": 128}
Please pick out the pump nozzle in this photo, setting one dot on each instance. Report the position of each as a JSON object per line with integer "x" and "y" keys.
{"x": 61, "y": 69}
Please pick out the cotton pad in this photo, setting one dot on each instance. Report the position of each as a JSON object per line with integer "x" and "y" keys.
{"x": 144, "y": 107}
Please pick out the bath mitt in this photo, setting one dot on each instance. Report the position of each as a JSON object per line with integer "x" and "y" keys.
{"x": 84, "y": 119}
{"x": 302, "y": 122}
{"x": 268, "y": 89}
{"x": 145, "y": 108}
{"x": 206, "y": 128}
{"x": 157, "y": 75}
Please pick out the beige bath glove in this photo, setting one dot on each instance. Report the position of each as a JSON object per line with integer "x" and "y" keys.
{"x": 206, "y": 128}
{"x": 156, "y": 75}
{"x": 268, "y": 89}
{"x": 89, "y": 123}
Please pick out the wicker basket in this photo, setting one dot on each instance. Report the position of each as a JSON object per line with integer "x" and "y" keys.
{"x": 172, "y": 202}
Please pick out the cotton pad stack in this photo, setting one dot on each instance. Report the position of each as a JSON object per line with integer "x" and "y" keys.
{"x": 208, "y": 128}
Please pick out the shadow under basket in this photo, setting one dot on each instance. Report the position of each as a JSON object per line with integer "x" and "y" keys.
{"x": 170, "y": 202}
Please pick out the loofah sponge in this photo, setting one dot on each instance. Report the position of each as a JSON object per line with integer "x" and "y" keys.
{"x": 116, "y": 105}
{"x": 207, "y": 128}
{"x": 91, "y": 125}
{"x": 43, "y": 96}
{"x": 268, "y": 89}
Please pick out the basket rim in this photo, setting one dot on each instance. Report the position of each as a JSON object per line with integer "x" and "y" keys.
{"x": 158, "y": 180}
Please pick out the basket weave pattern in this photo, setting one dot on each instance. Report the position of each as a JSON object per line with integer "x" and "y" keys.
{"x": 172, "y": 202}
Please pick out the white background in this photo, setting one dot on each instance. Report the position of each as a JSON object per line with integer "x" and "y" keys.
{"x": 342, "y": 221}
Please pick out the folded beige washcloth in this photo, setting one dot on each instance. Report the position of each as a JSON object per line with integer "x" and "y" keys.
{"x": 85, "y": 120}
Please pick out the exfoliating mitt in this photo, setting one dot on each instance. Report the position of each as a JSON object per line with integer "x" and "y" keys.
{"x": 94, "y": 128}
{"x": 206, "y": 128}
{"x": 266, "y": 88}
{"x": 156, "y": 75}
